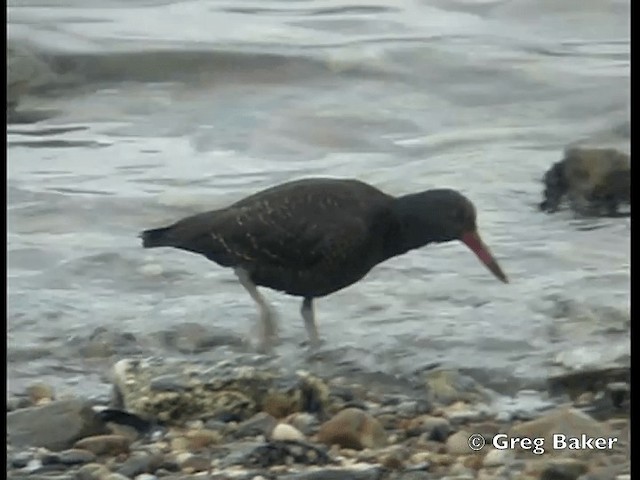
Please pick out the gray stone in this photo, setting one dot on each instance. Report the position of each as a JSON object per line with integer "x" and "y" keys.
{"x": 92, "y": 471}
{"x": 75, "y": 457}
{"x": 564, "y": 469}
{"x": 140, "y": 463}
{"x": 260, "y": 424}
{"x": 56, "y": 425}
{"x": 373, "y": 473}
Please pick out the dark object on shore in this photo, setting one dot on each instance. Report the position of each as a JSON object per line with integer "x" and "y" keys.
{"x": 316, "y": 236}
{"x": 592, "y": 179}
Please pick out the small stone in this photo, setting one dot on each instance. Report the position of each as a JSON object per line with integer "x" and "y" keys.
{"x": 196, "y": 463}
{"x": 116, "y": 476}
{"x": 392, "y": 462}
{"x": 284, "y": 432}
{"x": 104, "y": 444}
{"x": 179, "y": 444}
{"x": 40, "y": 393}
{"x": 92, "y": 471}
{"x": 437, "y": 428}
{"x": 458, "y": 443}
{"x": 146, "y": 476}
{"x": 495, "y": 458}
{"x": 564, "y": 469}
{"x": 140, "y": 463}
{"x": 474, "y": 462}
{"x": 76, "y": 456}
{"x": 303, "y": 421}
{"x": 199, "y": 439}
{"x": 353, "y": 428}
{"x": 260, "y": 424}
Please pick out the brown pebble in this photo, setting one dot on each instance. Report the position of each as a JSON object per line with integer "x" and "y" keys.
{"x": 474, "y": 462}
{"x": 196, "y": 463}
{"x": 353, "y": 428}
{"x": 392, "y": 462}
{"x": 104, "y": 444}
{"x": 199, "y": 439}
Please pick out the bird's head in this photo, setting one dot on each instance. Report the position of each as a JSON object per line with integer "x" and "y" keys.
{"x": 444, "y": 215}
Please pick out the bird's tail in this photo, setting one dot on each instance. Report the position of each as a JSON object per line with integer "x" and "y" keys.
{"x": 156, "y": 237}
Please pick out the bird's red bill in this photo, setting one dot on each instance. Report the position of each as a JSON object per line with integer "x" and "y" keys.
{"x": 475, "y": 243}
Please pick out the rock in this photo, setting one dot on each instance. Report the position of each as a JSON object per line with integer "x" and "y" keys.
{"x": 116, "y": 476}
{"x": 593, "y": 179}
{"x": 176, "y": 391}
{"x": 146, "y": 476}
{"x": 103, "y": 343}
{"x": 448, "y": 386}
{"x": 140, "y": 463}
{"x": 366, "y": 472}
{"x": 199, "y": 439}
{"x": 92, "y": 471}
{"x": 496, "y": 458}
{"x": 283, "y": 432}
{"x": 305, "y": 422}
{"x": 104, "y": 444}
{"x": 353, "y": 428}
{"x": 564, "y": 469}
{"x": 576, "y": 383}
{"x": 273, "y": 453}
{"x": 75, "y": 457}
{"x": 565, "y": 421}
{"x": 40, "y": 393}
{"x": 260, "y": 424}
{"x": 436, "y": 428}
{"x": 196, "y": 463}
{"x": 56, "y": 425}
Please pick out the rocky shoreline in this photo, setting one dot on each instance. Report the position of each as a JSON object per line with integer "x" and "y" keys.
{"x": 181, "y": 419}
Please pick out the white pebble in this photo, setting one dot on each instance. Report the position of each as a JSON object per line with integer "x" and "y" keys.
{"x": 285, "y": 432}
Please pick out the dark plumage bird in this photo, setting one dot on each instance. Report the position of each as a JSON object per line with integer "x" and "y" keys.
{"x": 316, "y": 236}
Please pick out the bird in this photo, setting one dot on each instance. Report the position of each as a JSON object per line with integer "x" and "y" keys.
{"x": 312, "y": 237}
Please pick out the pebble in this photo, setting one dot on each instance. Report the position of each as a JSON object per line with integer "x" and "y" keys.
{"x": 104, "y": 444}
{"x": 146, "y": 476}
{"x": 495, "y": 458}
{"x": 284, "y": 432}
{"x": 196, "y": 463}
{"x": 92, "y": 471}
{"x": 116, "y": 476}
{"x": 353, "y": 428}
{"x": 75, "y": 456}
{"x": 458, "y": 443}
{"x": 140, "y": 463}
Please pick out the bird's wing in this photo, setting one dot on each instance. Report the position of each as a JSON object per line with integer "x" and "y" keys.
{"x": 284, "y": 238}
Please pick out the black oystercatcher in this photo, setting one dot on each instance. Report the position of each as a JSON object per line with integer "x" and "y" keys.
{"x": 316, "y": 236}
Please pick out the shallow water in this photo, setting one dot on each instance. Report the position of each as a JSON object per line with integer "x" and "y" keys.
{"x": 132, "y": 114}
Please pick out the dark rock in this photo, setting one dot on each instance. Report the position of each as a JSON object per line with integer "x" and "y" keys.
{"x": 120, "y": 417}
{"x": 68, "y": 457}
{"x": 594, "y": 180}
{"x": 140, "y": 463}
{"x": 277, "y": 453}
{"x": 373, "y": 473}
{"x": 563, "y": 469}
{"x": 56, "y": 425}
{"x": 576, "y": 383}
{"x": 260, "y": 424}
